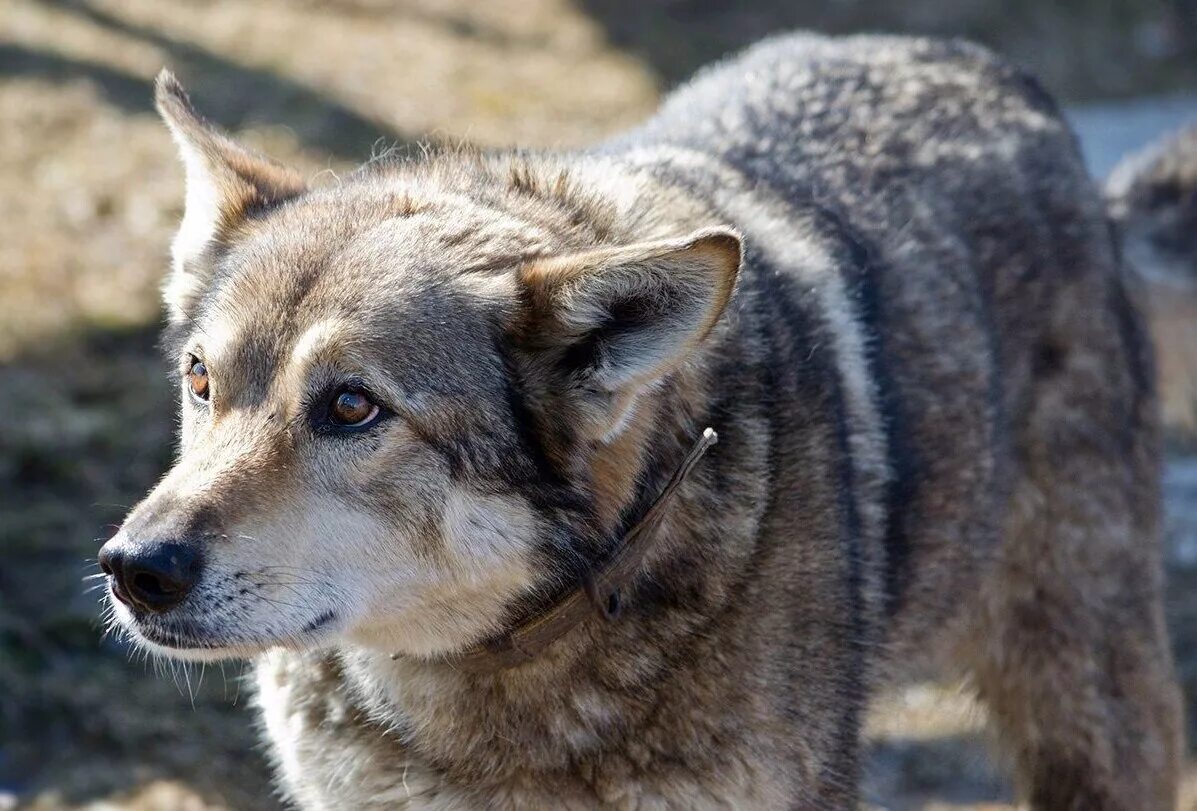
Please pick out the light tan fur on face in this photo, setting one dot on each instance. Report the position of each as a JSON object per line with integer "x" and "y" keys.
{"x": 289, "y": 547}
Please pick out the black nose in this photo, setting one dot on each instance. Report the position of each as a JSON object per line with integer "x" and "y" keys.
{"x": 151, "y": 577}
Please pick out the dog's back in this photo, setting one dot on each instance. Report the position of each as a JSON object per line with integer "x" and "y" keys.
{"x": 992, "y": 376}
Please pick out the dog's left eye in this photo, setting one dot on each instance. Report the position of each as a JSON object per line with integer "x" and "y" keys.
{"x": 197, "y": 378}
{"x": 352, "y": 409}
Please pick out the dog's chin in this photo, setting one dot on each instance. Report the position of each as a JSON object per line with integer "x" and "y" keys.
{"x": 183, "y": 639}
{"x": 186, "y": 651}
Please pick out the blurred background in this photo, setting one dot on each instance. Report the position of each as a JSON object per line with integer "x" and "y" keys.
{"x": 90, "y": 193}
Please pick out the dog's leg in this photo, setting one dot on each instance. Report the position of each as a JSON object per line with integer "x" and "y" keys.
{"x": 1072, "y": 659}
{"x": 1070, "y": 651}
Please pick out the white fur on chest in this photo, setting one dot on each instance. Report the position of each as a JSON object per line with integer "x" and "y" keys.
{"x": 328, "y": 756}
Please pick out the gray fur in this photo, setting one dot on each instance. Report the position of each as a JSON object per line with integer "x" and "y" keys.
{"x": 938, "y": 446}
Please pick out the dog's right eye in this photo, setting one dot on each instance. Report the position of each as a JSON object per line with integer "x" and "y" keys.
{"x": 352, "y": 409}
{"x": 348, "y": 409}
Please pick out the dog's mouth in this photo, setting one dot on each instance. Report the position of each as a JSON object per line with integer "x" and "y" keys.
{"x": 179, "y": 637}
{"x": 187, "y": 638}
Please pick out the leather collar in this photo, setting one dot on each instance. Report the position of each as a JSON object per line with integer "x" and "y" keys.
{"x": 602, "y": 591}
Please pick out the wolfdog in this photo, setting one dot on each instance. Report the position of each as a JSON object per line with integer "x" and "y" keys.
{"x": 445, "y": 470}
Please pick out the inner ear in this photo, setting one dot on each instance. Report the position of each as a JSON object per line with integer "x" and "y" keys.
{"x": 635, "y": 328}
{"x": 616, "y": 319}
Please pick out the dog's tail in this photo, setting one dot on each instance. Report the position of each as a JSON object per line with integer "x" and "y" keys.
{"x": 1153, "y": 200}
{"x": 1152, "y": 197}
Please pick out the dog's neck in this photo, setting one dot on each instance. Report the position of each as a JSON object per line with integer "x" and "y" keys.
{"x": 601, "y": 590}
{"x": 601, "y": 679}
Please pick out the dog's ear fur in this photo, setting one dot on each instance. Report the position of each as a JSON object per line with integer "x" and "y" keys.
{"x": 226, "y": 184}
{"x": 614, "y": 320}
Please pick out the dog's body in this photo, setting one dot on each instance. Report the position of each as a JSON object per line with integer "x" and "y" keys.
{"x": 937, "y": 447}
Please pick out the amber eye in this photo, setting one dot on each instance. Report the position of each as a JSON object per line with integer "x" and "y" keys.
{"x": 352, "y": 409}
{"x": 197, "y": 378}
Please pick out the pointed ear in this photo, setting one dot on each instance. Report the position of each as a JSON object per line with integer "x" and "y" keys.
{"x": 616, "y": 319}
{"x": 226, "y": 184}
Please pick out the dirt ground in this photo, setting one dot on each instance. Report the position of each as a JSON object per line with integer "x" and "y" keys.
{"x": 90, "y": 192}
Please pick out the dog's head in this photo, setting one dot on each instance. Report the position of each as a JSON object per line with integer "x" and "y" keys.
{"x": 408, "y": 401}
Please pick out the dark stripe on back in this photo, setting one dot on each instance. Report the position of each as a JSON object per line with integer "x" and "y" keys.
{"x": 819, "y": 374}
{"x": 778, "y": 289}
{"x": 862, "y": 269}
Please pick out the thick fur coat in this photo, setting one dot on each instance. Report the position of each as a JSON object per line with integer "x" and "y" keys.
{"x": 876, "y": 266}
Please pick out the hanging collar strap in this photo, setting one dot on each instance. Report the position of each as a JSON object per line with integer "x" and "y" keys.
{"x": 601, "y": 591}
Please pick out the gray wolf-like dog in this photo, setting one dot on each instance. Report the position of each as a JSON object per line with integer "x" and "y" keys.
{"x": 442, "y": 469}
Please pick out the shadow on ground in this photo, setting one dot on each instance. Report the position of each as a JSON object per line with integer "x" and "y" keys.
{"x": 94, "y": 433}
{"x": 237, "y": 95}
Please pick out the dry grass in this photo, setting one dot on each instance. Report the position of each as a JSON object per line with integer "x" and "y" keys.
{"x": 90, "y": 191}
